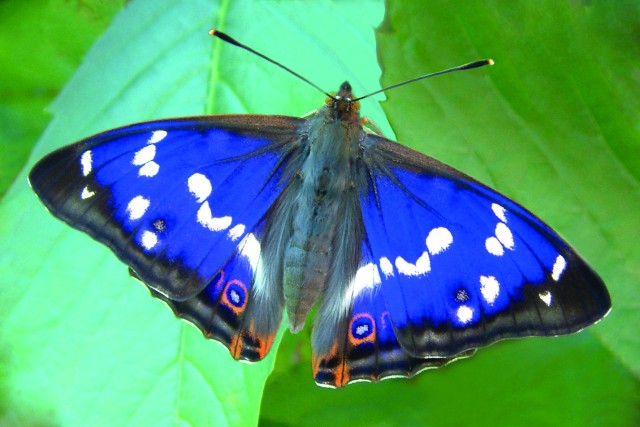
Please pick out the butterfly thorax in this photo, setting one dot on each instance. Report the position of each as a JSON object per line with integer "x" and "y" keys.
{"x": 317, "y": 204}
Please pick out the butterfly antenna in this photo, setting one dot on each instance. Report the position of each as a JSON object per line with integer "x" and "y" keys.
{"x": 224, "y": 37}
{"x": 469, "y": 66}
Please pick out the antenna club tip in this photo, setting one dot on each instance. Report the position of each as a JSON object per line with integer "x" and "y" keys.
{"x": 490, "y": 62}
{"x": 212, "y": 32}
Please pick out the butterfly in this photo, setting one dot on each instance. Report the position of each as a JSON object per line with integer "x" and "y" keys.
{"x": 233, "y": 220}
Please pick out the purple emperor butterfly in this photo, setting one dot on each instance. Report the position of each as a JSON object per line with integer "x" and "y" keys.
{"x": 233, "y": 219}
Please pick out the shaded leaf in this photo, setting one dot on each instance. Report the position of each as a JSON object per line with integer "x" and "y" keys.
{"x": 82, "y": 343}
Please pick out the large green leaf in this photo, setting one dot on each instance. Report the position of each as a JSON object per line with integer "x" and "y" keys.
{"x": 80, "y": 342}
{"x": 533, "y": 382}
{"x": 554, "y": 124}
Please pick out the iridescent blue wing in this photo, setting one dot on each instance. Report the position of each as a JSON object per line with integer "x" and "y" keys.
{"x": 461, "y": 266}
{"x": 226, "y": 309}
{"x": 362, "y": 345}
{"x": 181, "y": 202}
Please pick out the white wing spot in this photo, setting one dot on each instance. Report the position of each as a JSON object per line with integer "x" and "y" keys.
{"x": 464, "y": 314}
{"x": 499, "y": 211}
{"x": 236, "y": 232}
{"x": 558, "y": 268}
{"x": 367, "y": 277}
{"x": 137, "y": 207}
{"x": 86, "y": 193}
{"x": 235, "y": 297}
{"x": 251, "y": 250}
{"x": 420, "y": 268}
{"x": 86, "y": 161}
{"x": 157, "y": 136}
{"x": 494, "y": 247}
{"x": 490, "y": 288}
{"x": 545, "y": 297}
{"x": 144, "y": 155}
{"x": 149, "y": 239}
{"x": 503, "y": 233}
{"x": 386, "y": 267}
{"x": 149, "y": 169}
{"x": 207, "y": 220}
{"x": 438, "y": 240}
{"x": 199, "y": 186}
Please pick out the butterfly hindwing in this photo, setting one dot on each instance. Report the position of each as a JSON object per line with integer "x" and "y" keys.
{"x": 362, "y": 346}
{"x": 462, "y": 266}
{"x": 227, "y": 309}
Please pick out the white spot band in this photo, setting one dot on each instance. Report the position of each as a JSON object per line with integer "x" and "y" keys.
{"x": 86, "y": 161}
{"x": 199, "y": 186}
{"x": 558, "y": 268}
{"x": 157, "y": 136}
{"x": 137, "y": 207}
{"x": 206, "y": 218}
{"x": 490, "y": 288}
{"x": 149, "y": 240}
{"x": 420, "y": 268}
{"x": 438, "y": 240}
{"x": 144, "y": 155}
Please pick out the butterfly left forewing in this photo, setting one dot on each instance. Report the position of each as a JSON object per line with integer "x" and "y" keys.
{"x": 462, "y": 266}
{"x": 172, "y": 198}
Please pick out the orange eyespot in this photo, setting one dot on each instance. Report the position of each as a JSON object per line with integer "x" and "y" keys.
{"x": 362, "y": 329}
{"x": 234, "y": 296}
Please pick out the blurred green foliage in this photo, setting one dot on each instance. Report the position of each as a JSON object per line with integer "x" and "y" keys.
{"x": 41, "y": 45}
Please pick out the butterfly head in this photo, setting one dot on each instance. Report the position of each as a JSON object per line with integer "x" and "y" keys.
{"x": 342, "y": 104}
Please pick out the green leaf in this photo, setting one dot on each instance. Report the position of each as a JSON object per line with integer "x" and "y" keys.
{"x": 80, "y": 342}
{"x": 36, "y": 57}
{"x": 570, "y": 382}
{"x": 554, "y": 124}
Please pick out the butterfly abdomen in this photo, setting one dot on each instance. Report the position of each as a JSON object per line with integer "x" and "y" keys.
{"x": 307, "y": 256}
{"x": 323, "y": 181}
